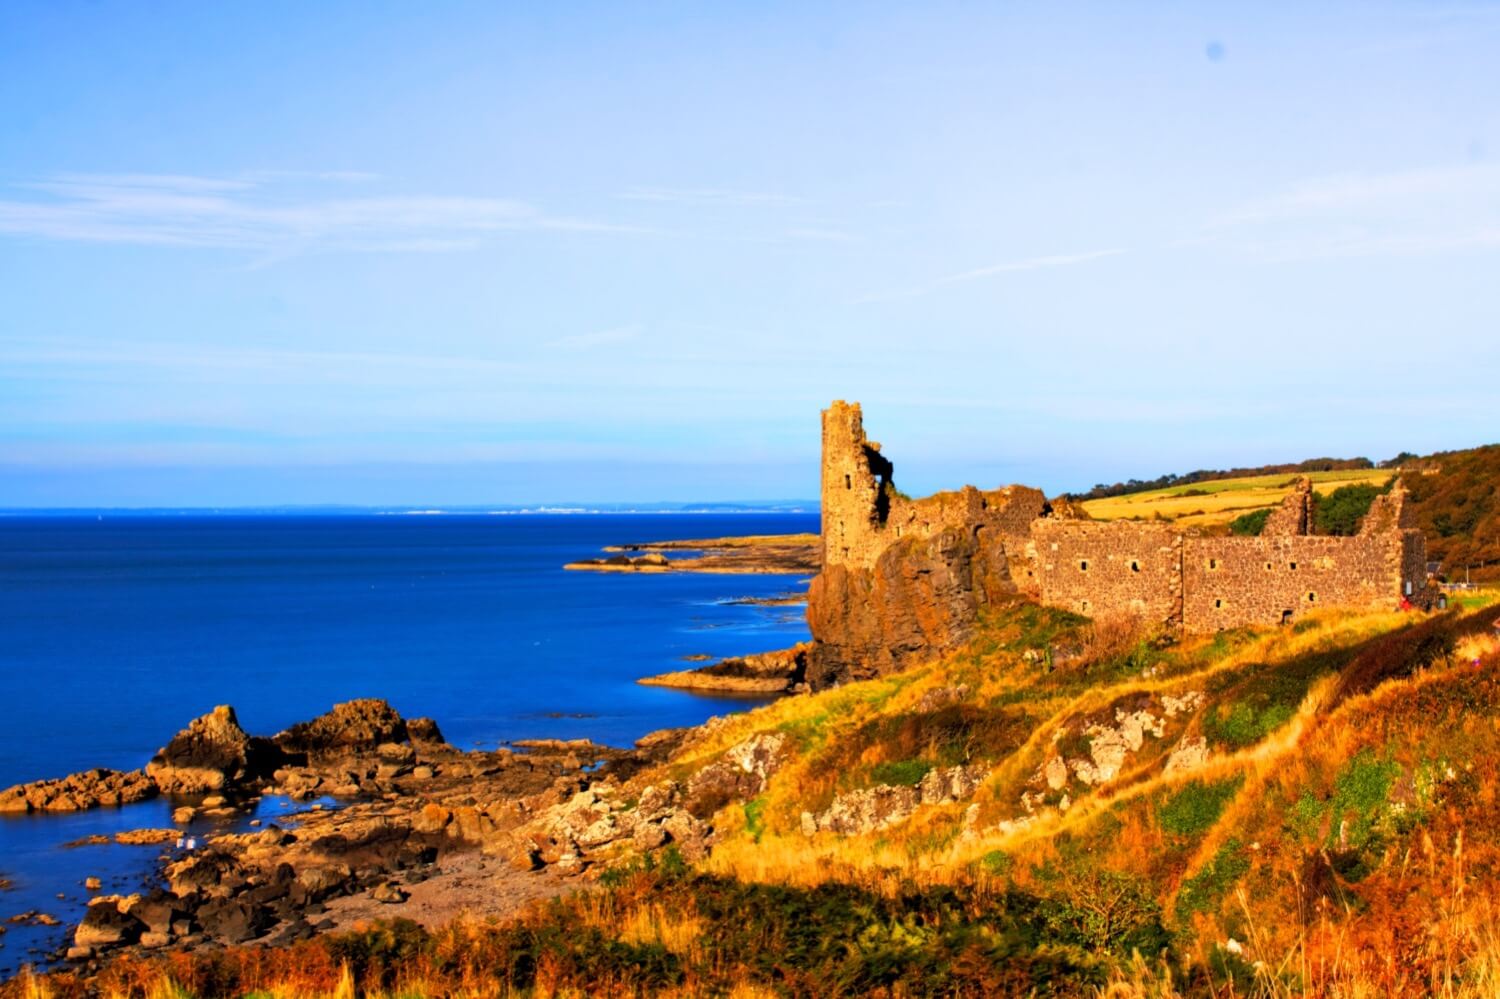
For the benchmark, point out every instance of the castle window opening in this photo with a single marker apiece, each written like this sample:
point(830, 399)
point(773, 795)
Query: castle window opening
point(1213, 563)
point(848, 482)
point(1083, 606)
point(1408, 587)
point(1218, 604)
point(1135, 566)
point(1268, 566)
point(1293, 565)
point(1286, 616)
point(1083, 565)
point(1312, 598)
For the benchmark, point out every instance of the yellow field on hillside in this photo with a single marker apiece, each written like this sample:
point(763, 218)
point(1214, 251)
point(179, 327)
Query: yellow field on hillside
point(1221, 500)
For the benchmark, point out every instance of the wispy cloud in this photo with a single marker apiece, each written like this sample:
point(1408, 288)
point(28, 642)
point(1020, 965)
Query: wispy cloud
point(1408, 213)
point(995, 270)
point(267, 213)
point(710, 196)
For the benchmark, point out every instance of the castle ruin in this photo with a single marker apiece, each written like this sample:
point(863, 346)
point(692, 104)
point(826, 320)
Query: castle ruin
point(902, 577)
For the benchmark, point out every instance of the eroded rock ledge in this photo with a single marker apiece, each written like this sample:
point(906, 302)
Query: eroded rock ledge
point(775, 672)
point(778, 553)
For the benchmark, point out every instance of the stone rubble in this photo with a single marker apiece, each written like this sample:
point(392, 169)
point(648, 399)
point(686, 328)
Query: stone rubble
point(870, 809)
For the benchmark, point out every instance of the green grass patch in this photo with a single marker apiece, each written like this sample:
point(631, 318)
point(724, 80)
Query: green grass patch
point(1244, 724)
point(998, 863)
point(1360, 792)
point(1205, 890)
point(755, 817)
point(907, 773)
point(1196, 806)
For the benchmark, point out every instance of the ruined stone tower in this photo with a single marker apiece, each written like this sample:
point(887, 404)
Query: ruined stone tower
point(903, 577)
point(856, 489)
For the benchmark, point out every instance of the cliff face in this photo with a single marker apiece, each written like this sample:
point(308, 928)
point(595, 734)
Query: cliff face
point(921, 597)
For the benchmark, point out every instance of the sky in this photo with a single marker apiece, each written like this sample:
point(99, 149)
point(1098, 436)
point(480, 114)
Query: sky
point(468, 253)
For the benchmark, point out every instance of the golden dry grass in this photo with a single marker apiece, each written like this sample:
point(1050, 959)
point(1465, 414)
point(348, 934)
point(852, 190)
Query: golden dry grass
point(1222, 500)
point(784, 855)
point(1426, 925)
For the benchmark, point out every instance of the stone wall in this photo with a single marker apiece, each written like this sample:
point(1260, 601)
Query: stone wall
point(1104, 569)
point(1294, 516)
point(1232, 581)
point(904, 579)
point(1388, 512)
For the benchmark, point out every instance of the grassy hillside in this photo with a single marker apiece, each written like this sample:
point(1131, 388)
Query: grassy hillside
point(1206, 504)
point(1458, 506)
point(1300, 811)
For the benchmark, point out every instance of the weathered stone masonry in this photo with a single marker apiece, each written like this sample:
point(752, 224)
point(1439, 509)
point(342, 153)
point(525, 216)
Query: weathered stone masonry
point(900, 577)
point(904, 578)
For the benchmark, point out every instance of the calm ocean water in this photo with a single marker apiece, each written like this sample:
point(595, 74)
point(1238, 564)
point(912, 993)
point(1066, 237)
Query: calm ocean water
point(115, 632)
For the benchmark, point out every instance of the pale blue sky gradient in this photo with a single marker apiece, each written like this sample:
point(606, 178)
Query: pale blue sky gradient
point(449, 253)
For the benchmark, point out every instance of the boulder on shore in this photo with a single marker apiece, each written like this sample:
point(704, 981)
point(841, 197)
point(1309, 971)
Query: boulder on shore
point(105, 925)
point(425, 731)
point(351, 727)
point(212, 754)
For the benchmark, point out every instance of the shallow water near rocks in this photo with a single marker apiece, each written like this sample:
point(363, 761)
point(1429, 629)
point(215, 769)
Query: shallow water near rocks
point(118, 631)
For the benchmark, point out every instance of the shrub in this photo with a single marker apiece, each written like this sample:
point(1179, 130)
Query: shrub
point(1250, 524)
point(1102, 909)
point(1341, 511)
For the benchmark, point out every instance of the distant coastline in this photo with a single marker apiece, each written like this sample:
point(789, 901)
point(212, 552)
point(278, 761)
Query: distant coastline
point(485, 510)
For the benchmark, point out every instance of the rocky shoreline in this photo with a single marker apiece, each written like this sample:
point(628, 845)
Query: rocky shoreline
point(780, 672)
point(415, 819)
point(760, 554)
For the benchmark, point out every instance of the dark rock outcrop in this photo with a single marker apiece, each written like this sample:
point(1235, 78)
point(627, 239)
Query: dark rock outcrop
point(921, 598)
point(424, 732)
point(212, 754)
point(351, 727)
point(105, 925)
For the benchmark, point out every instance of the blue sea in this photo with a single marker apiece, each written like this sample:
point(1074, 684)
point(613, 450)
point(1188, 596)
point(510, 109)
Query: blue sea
point(116, 630)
